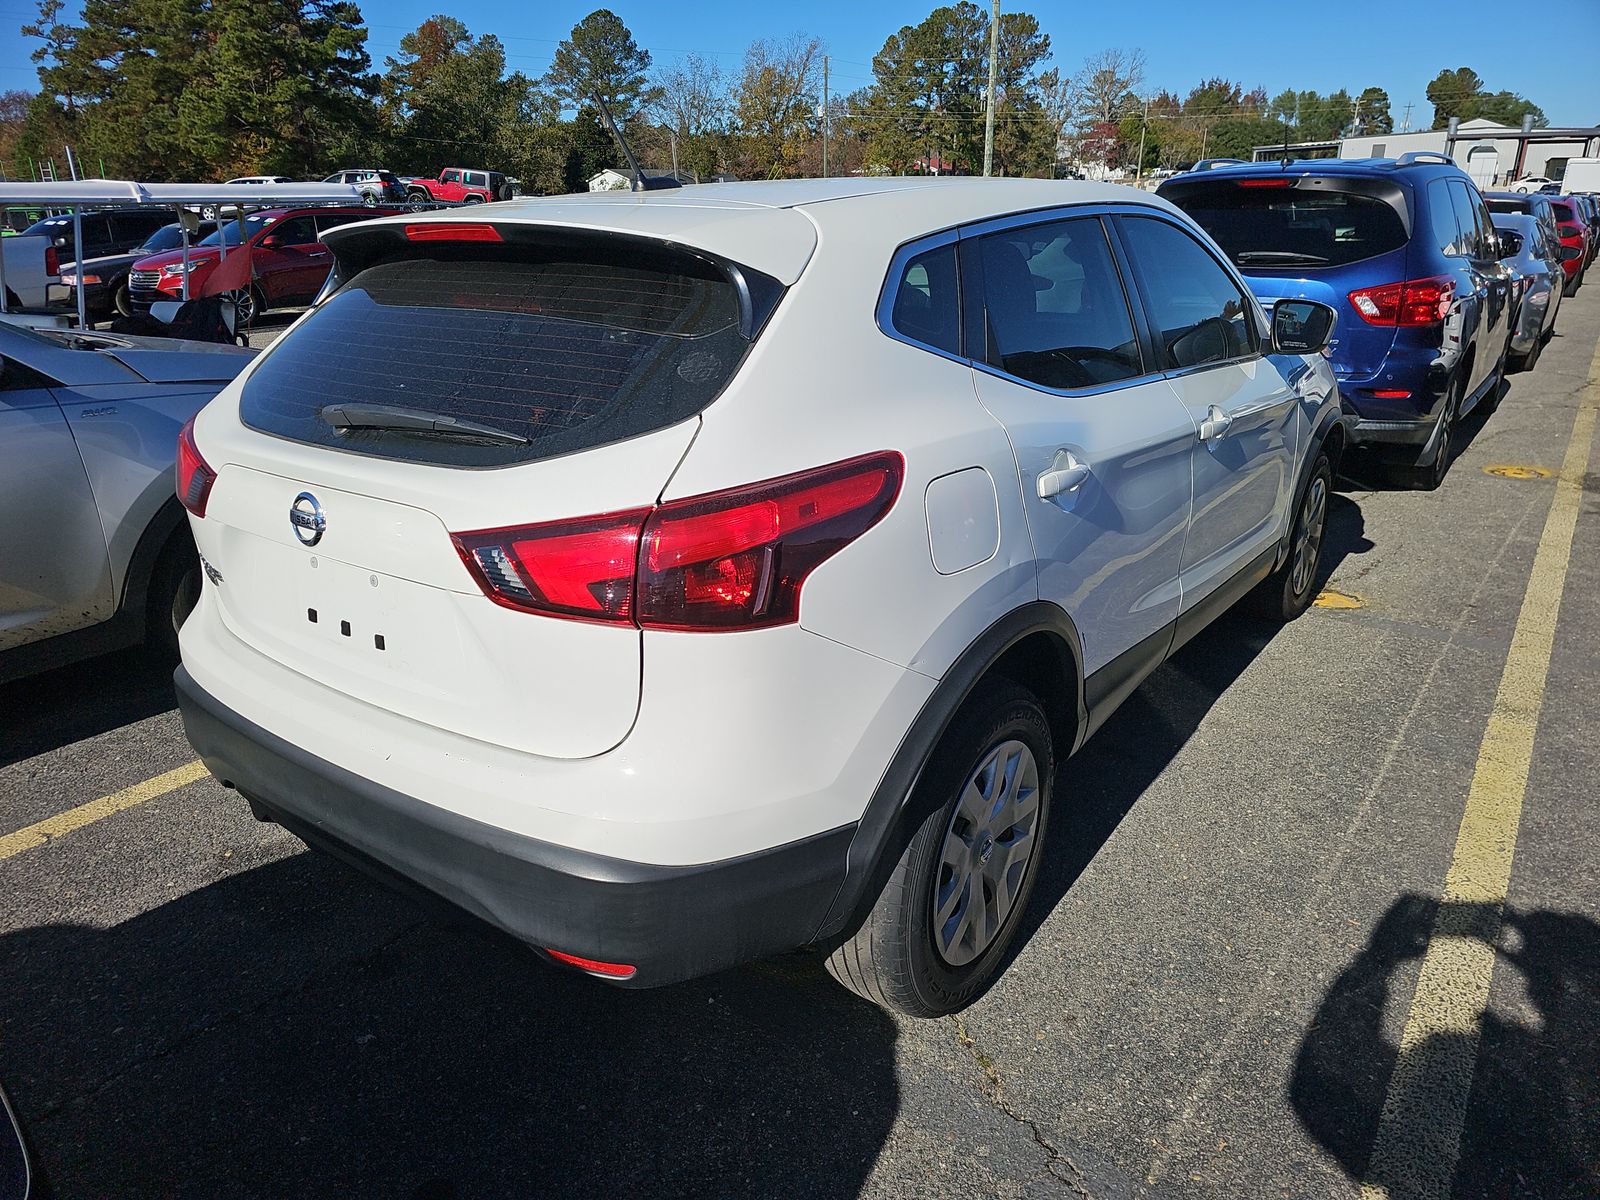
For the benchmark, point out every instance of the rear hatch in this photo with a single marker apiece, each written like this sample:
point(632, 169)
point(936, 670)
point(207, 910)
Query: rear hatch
point(567, 372)
point(1317, 237)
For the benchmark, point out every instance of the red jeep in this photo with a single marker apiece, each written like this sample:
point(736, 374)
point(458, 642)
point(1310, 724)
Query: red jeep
point(461, 185)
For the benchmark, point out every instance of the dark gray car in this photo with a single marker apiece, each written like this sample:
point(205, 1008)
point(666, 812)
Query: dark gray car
point(94, 551)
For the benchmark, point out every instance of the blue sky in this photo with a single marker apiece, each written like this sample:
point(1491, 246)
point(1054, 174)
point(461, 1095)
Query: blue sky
point(1351, 43)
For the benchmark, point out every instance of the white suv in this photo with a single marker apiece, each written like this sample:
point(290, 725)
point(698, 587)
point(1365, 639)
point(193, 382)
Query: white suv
point(677, 578)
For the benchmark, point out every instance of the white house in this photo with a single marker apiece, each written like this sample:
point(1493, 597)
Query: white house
point(610, 180)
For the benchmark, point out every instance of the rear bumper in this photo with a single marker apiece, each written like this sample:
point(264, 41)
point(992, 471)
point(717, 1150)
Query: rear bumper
point(669, 922)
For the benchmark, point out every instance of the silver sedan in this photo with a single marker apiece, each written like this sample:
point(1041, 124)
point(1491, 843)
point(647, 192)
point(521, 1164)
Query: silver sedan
point(94, 551)
point(1536, 262)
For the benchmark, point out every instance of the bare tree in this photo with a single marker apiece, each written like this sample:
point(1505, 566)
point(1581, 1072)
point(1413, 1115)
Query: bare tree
point(1105, 80)
point(692, 101)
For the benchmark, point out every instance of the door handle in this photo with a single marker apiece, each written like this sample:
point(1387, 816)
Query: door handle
point(1215, 425)
point(1066, 474)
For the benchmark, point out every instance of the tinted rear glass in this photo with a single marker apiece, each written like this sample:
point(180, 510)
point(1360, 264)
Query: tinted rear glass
point(1297, 228)
point(568, 348)
point(1501, 205)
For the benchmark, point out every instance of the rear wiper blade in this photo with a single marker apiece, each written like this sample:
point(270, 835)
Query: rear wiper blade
point(1284, 255)
point(414, 420)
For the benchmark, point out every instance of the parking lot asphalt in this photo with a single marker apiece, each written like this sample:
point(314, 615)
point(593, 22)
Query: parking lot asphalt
point(1216, 994)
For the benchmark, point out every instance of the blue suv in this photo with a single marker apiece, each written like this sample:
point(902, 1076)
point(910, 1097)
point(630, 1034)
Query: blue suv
point(1406, 252)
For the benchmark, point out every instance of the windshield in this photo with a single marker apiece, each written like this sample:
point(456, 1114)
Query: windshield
point(1265, 226)
point(168, 237)
point(228, 233)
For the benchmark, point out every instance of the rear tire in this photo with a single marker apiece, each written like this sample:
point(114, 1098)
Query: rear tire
point(1289, 590)
point(1427, 476)
point(942, 925)
point(472, 199)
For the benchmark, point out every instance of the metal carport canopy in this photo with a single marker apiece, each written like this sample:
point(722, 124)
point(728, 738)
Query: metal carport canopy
point(79, 194)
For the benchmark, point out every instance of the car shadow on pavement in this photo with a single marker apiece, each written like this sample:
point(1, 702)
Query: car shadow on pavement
point(1533, 1120)
point(48, 711)
point(299, 1030)
point(1101, 783)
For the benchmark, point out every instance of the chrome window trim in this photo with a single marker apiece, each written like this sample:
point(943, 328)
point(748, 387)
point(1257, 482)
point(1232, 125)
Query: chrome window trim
point(1036, 216)
point(884, 313)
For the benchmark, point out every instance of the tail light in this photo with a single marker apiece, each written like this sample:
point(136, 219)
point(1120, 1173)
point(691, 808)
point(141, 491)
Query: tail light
point(1570, 233)
point(52, 261)
point(195, 477)
point(734, 559)
point(1411, 303)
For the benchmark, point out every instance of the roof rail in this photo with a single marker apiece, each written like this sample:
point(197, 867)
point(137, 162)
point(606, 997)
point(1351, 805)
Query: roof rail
point(1211, 164)
point(1412, 156)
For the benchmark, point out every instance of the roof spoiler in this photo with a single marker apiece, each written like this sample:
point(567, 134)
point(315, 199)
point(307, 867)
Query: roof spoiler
point(1412, 156)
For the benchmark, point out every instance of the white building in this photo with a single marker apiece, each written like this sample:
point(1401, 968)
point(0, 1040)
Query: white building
point(1491, 160)
point(610, 180)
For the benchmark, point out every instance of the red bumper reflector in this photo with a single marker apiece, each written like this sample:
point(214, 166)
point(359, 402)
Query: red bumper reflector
point(1391, 393)
point(609, 970)
point(452, 231)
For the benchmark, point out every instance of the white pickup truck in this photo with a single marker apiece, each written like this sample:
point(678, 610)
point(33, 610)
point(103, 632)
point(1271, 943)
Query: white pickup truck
point(28, 266)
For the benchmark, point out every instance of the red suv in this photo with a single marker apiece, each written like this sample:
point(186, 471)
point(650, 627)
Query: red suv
point(287, 258)
point(1573, 231)
point(461, 185)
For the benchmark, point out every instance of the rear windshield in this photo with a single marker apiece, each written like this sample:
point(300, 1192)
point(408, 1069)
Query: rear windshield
point(568, 348)
point(1296, 228)
point(1499, 204)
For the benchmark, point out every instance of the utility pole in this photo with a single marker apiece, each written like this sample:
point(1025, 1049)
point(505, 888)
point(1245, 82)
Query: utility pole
point(1405, 121)
point(1144, 124)
point(994, 70)
point(672, 131)
point(824, 116)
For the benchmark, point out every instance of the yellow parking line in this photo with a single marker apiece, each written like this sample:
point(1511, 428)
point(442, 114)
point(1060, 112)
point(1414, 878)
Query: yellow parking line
point(1419, 1132)
point(86, 814)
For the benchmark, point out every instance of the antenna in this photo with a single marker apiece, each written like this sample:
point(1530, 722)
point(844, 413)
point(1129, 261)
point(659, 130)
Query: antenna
point(627, 151)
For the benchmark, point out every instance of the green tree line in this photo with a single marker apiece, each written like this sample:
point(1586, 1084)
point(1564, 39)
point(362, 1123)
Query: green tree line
point(189, 89)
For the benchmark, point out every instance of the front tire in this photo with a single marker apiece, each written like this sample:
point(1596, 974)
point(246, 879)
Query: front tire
point(1289, 590)
point(942, 925)
point(121, 300)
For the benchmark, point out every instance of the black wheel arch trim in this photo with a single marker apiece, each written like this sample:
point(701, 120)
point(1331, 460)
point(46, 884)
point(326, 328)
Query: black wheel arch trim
point(170, 520)
point(894, 812)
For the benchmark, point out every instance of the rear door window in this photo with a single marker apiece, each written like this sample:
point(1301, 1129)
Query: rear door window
point(1259, 223)
point(1055, 310)
point(1199, 315)
point(1468, 219)
point(569, 348)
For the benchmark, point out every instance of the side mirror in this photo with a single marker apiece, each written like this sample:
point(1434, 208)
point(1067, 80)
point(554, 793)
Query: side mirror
point(1568, 253)
point(1510, 243)
point(1302, 327)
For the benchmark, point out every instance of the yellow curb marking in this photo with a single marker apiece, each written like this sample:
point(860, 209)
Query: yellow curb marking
point(1419, 1132)
point(86, 814)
